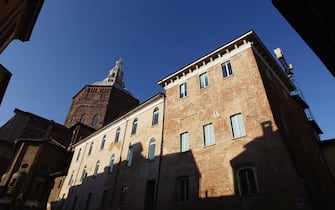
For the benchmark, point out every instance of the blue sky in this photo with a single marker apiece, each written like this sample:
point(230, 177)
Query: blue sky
point(75, 43)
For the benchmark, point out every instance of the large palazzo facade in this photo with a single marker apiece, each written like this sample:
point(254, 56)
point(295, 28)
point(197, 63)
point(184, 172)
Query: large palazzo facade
point(230, 131)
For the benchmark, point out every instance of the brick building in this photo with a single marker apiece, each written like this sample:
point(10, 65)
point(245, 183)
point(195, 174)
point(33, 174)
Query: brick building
point(111, 99)
point(233, 134)
point(35, 152)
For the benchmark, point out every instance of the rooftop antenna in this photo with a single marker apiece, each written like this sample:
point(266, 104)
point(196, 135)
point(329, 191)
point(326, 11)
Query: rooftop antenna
point(297, 94)
point(287, 67)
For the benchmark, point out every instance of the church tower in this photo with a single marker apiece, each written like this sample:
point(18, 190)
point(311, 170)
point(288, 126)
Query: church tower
point(98, 104)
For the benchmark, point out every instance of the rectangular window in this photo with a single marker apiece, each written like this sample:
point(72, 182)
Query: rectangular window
point(130, 156)
point(237, 125)
point(88, 201)
point(149, 195)
point(183, 188)
point(183, 90)
point(246, 181)
point(203, 78)
point(208, 134)
point(184, 143)
point(74, 203)
point(226, 69)
point(103, 198)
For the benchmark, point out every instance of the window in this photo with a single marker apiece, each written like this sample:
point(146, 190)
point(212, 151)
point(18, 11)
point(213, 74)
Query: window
point(183, 90)
point(91, 147)
point(184, 143)
point(95, 120)
point(182, 188)
point(226, 69)
point(237, 125)
point(78, 155)
point(124, 191)
point(149, 195)
point(83, 118)
point(208, 134)
point(88, 201)
point(246, 181)
point(134, 128)
point(111, 163)
point(117, 135)
point(74, 202)
point(84, 174)
point(60, 183)
point(155, 116)
point(130, 155)
point(103, 142)
point(96, 170)
point(203, 78)
point(103, 198)
point(71, 177)
point(152, 146)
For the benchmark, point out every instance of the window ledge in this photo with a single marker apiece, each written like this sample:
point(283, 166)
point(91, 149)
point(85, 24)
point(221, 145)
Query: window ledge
point(228, 76)
point(239, 137)
point(210, 145)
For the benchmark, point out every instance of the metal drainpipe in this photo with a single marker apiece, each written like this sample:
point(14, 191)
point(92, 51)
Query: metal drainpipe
point(118, 167)
point(160, 156)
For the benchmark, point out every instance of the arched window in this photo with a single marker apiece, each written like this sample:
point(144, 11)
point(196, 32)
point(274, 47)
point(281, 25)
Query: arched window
point(117, 135)
point(83, 118)
point(152, 146)
point(130, 155)
point(155, 116)
point(96, 170)
point(111, 163)
point(103, 142)
point(95, 120)
point(71, 177)
point(78, 155)
point(83, 174)
point(91, 147)
point(134, 128)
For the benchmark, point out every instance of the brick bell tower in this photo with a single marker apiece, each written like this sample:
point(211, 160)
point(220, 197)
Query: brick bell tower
point(98, 104)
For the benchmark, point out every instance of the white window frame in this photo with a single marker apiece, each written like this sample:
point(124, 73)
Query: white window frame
point(227, 70)
point(184, 142)
point(208, 131)
point(203, 80)
point(237, 125)
point(183, 90)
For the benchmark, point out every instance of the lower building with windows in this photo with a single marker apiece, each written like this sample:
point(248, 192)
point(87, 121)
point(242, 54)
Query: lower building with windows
point(113, 165)
point(229, 132)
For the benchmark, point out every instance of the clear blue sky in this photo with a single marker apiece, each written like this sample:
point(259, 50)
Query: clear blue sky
point(75, 43)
